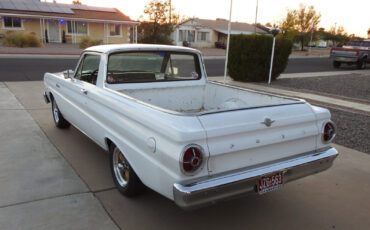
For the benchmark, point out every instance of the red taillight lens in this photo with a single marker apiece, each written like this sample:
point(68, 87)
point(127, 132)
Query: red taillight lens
point(328, 132)
point(192, 159)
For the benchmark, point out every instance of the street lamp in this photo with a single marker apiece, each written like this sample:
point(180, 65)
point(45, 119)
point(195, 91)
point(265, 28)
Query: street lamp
point(274, 32)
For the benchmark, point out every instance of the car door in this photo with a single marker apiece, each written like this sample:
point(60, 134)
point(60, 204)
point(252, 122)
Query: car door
point(76, 93)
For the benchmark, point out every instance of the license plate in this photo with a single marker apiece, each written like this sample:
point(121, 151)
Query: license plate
point(270, 182)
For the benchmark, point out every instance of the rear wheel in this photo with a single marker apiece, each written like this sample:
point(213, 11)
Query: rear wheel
point(362, 64)
point(336, 64)
point(58, 118)
point(125, 178)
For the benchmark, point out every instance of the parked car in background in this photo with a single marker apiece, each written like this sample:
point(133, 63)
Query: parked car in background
point(311, 44)
point(354, 53)
point(193, 141)
point(322, 44)
point(220, 45)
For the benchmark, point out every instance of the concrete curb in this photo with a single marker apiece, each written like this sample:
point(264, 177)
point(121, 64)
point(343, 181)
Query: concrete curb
point(48, 56)
point(323, 74)
point(305, 57)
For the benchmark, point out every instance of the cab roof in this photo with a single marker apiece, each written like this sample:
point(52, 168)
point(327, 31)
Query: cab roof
point(107, 49)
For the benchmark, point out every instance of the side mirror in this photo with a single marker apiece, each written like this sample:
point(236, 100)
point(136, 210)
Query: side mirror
point(68, 73)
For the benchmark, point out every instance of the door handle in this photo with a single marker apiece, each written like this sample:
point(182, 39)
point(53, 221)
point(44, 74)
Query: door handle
point(84, 91)
point(57, 85)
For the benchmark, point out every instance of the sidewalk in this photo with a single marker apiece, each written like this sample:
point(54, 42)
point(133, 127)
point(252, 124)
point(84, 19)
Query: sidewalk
point(308, 96)
point(323, 74)
point(39, 189)
point(48, 49)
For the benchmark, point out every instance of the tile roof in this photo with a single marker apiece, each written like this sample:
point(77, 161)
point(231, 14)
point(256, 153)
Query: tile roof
point(222, 25)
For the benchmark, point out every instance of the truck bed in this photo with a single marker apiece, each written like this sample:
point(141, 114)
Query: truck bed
point(206, 98)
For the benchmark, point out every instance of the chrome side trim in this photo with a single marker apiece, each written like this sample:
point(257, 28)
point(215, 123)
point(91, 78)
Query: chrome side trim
point(206, 191)
point(46, 97)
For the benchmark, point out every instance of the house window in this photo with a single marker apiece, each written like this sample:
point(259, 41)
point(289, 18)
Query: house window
point(77, 27)
point(191, 35)
point(187, 35)
point(115, 30)
point(12, 22)
point(182, 35)
point(203, 36)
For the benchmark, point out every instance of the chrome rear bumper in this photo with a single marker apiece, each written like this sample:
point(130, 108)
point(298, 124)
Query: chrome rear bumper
point(345, 59)
point(212, 189)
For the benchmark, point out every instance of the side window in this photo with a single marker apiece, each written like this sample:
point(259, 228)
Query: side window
point(88, 68)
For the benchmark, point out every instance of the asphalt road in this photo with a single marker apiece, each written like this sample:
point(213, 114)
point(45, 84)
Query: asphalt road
point(26, 69)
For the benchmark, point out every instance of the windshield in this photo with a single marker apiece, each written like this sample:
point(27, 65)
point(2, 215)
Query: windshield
point(152, 66)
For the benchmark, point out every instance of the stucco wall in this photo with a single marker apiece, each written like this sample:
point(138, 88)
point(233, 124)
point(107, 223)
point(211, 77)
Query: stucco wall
point(95, 31)
point(210, 42)
point(28, 26)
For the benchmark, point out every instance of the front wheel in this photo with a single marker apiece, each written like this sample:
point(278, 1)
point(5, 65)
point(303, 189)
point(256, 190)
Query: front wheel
point(336, 64)
point(125, 178)
point(58, 118)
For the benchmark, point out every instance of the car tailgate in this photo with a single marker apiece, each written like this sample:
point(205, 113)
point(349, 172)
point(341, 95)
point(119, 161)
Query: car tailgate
point(246, 138)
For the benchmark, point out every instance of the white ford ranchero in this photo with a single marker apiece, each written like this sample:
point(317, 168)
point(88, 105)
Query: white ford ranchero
point(194, 141)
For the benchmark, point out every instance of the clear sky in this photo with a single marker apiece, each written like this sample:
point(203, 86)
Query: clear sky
point(353, 15)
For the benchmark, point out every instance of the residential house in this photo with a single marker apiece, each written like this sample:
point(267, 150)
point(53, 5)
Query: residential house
point(204, 32)
point(55, 22)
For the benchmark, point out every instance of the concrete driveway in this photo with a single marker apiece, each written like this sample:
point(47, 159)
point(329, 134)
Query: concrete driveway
point(335, 199)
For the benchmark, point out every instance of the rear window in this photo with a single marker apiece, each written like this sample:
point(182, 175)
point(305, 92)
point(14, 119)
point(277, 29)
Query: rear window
point(359, 43)
point(154, 66)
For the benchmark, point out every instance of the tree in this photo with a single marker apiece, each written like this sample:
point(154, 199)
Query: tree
point(302, 20)
point(307, 19)
point(155, 27)
point(176, 18)
point(156, 11)
point(77, 2)
point(289, 22)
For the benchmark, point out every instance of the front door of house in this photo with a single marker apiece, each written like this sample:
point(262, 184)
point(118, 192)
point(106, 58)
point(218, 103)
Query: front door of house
point(54, 31)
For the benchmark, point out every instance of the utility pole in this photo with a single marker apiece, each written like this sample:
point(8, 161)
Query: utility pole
point(255, 21)
point(335, 33)
point(228, 41)
point(312, 30)
point(169, 2)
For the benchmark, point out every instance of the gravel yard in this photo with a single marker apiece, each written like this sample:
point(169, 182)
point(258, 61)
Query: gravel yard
point(353, 130)
point(353, 86)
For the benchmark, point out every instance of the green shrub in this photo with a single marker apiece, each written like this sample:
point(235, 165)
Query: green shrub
point(87, 42)
point(250, 56)
point(21, 40)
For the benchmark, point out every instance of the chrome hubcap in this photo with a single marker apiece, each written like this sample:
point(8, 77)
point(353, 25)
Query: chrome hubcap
point(55, 113)
point(121, 167)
